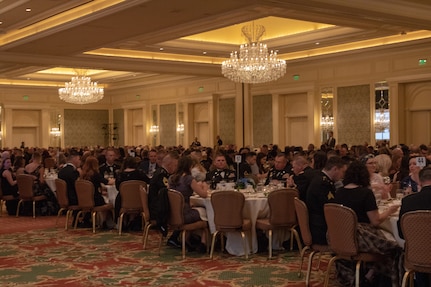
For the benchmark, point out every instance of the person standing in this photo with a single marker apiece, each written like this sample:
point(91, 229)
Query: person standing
point(330, 142)
point(219, 141)
point(70, 174)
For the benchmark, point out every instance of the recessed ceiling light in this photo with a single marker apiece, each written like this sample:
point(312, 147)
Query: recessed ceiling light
point(28, 10)
point(317, 43)
point(161, 49)
point(1, 22)
point(204, 52)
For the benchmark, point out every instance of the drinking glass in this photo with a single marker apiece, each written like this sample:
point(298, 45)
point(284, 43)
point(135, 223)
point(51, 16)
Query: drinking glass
point(400, 194)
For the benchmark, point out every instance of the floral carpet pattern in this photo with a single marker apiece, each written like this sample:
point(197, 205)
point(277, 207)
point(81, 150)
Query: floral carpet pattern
point(75, 258)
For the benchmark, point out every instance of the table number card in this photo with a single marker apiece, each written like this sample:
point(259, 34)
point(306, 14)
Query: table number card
point(421, 161)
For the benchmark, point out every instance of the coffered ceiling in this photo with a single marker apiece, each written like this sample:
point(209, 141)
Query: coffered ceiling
point(120, 42)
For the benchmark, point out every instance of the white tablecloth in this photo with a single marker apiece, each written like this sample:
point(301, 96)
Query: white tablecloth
point(112, 194)
point(256, 206)
point(50, 181)
point(390, 225)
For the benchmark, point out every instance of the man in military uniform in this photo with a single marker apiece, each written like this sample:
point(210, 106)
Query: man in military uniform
point(321, 191)
point(280, 171)
point(109, 168)
point(221, 171)
point(301, 176)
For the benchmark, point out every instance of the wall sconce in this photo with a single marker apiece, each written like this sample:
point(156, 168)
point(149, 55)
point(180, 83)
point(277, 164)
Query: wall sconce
point(154, 129)
point(55, 132)
point(180, 128)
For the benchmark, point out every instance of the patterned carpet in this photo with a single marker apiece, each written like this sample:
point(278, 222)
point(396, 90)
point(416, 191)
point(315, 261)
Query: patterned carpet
point(50, 256)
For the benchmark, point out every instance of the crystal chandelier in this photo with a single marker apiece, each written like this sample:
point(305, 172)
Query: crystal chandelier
point(81, 90)
point(253, 64)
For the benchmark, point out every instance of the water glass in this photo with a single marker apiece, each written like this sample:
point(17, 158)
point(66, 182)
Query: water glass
point(400, 194)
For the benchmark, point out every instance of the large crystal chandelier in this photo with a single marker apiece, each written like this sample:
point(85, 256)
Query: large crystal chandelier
point(253, 65)
point(81, 90)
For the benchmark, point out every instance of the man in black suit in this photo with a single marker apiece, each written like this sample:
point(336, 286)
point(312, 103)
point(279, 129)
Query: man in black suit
point(149, 166)
point(418, 201)
point(302, 174)
point(70, 174)
point(330, 142)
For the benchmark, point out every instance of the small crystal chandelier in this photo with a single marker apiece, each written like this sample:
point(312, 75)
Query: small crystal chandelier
point(253, 65)
point(81, 90)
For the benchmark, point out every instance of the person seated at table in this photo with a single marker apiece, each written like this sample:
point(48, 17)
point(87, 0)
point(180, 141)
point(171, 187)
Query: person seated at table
point(378, 186)
point(220, 171)
point(357, 195)
point(320, 191)
point(19, 165)
point(37, 170)
point(302, 175)
point(411, 183)
point(183, 181)
point(149, 165)
point(90, 171)
point(245, 167)
point(280, 171)
point(128, 171)
point(9, 186)
point(198, 170)
point(109, 168)
point(418, 201)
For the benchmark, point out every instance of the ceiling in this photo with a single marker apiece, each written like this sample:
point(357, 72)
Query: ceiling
point(121, 43)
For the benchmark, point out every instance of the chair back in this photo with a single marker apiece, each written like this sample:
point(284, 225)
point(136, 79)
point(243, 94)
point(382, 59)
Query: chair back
point(61, 191)
point(130, 195)
point(416, 227)
point(342, 228)
point(25, 186)
point(282, 207)
point(85, 193)
point(176, 205)
point(227, 206)
point(303, 221)
point(144, 202)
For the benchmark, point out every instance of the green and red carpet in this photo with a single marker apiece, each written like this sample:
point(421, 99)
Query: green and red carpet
point(36, 253)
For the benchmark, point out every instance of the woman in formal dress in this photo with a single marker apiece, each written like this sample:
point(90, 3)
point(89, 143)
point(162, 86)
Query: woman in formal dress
point(19, 165)
point(129, 171)
point(378, 186)
point(183, 181)
point(37, 170)
point(357, 195)
point(90, 171)
point(411, 182)
point(9, 186)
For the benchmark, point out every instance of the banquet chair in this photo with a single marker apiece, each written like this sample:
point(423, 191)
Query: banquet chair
point(130, 200)
point(416, 227)
point(25, 188)
point(147, 223)
point(63, 201)
point(3, 199)
point(304, 226)
point(85, 193)
point(176, 219)
point(342, 238)
point(228, 217)
point(281, 216)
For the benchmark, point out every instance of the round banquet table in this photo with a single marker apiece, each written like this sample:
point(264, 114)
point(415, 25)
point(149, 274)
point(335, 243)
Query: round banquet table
point(255, 206)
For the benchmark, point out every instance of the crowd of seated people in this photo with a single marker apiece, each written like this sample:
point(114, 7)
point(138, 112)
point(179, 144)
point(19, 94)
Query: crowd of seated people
point(316, 173)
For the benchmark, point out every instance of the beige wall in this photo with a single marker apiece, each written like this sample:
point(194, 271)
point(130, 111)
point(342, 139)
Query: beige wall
point(204, 103)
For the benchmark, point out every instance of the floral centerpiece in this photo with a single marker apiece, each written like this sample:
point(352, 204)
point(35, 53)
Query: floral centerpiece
point(244, 183)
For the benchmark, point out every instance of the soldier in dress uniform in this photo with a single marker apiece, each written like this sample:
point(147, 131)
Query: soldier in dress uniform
point(221, 172)
point(280, 171)
point(109, 168)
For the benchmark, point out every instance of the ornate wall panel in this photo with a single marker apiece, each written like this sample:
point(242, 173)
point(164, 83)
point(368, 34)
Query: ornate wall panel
point(118, 115)
point(353, 120)
point(168, 125)
point(227, 120)
point(84, 127)
point(262, 120)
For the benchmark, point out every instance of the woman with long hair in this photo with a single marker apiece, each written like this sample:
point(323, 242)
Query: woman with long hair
point(183, 181)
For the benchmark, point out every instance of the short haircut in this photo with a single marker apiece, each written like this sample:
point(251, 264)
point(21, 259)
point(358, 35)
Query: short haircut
point(334, 161)
point(425, 174)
